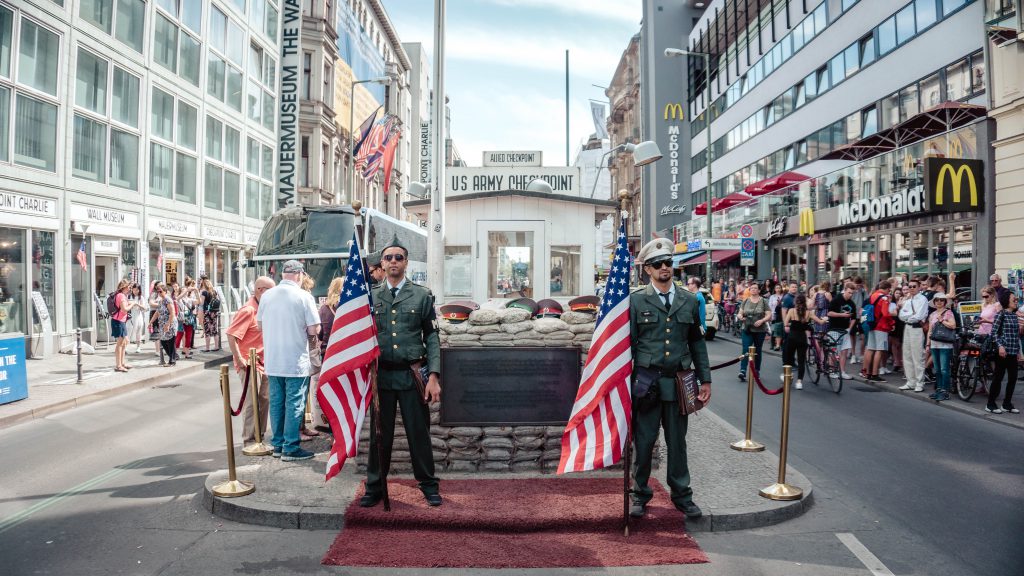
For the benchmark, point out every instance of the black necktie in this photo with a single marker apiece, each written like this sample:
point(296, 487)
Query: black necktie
point(665, 298)
point(394, 292)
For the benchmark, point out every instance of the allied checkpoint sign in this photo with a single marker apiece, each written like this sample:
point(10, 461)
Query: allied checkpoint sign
point(509, 386)
point(13, 380)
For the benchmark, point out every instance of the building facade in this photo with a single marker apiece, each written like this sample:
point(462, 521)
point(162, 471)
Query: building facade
point(624, 127)
point(138, 141)
point(1005, 21)
point(834, 110)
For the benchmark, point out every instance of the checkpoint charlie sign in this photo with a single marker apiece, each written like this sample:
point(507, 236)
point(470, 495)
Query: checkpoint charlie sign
point(564, 180)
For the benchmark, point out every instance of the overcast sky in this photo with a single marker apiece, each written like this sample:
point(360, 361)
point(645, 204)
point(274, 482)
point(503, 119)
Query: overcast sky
point(506, 67)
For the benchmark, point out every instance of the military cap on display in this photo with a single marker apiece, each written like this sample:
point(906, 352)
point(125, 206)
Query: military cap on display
point(549, 309)
point(585, 304)
point(467, 303)
point(656, 250)
point(455, 313)
point(523, 304)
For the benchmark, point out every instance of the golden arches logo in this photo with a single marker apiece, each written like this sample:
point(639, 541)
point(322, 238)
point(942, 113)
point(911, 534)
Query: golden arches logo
point(956, 176)
point(806, 222)
point(673, 111)
point(956, 148)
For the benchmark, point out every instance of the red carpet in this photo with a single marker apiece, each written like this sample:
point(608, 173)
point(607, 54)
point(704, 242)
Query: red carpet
point(514, 523)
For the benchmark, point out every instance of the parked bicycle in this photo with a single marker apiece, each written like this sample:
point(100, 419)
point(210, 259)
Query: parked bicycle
point(824, 359)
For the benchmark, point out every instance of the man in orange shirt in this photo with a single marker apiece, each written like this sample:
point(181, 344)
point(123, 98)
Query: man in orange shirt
point(244, 333)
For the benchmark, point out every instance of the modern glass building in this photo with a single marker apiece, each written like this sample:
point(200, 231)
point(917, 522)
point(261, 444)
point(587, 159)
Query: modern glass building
point(137, 140)
point(826, 111)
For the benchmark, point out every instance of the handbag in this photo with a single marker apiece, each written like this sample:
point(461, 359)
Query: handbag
point(686, 391)
point(941, 333)
point(989, 346)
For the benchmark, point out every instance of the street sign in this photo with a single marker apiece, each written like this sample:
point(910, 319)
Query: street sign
point(748, 247)
point(746, 231)
point(720, 244)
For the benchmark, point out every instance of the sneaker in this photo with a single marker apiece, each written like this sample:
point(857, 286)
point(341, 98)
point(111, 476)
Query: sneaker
point(883, 371)
point(846, 376)
point(276, 453)
point(799, 385)
point(994, 409)
point(933, 396)
point(875, 378)
point(299, 454)
point(1009, 408)
point(742, 376)
point(907, 386)
point(919, 389)
point(941, 396)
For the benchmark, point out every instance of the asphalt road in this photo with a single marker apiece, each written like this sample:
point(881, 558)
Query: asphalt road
point(110, 489)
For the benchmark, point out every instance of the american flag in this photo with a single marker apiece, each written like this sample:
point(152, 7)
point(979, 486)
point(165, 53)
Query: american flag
point(374, 140)
point(83, 259)
point(377, 158)
point(344, 389)
point(595, 436)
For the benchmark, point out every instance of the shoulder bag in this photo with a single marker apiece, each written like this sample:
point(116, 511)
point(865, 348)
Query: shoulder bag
point(941, 333)
point(989, 346)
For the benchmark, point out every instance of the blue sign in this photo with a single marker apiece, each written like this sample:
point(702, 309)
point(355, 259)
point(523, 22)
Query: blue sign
point(13, 380)
point(747, 249)
point(693, 246)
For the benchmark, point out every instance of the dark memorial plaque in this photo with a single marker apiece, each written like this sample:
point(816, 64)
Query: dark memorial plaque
point(513, 386)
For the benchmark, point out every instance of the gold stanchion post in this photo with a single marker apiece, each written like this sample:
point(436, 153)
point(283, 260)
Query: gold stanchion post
point(748, 445)
point(259, 448)
point(780, 490)
point(233, 487)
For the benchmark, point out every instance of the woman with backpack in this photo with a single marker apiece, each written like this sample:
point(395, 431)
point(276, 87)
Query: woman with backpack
point(187, 308)
point(209, 304)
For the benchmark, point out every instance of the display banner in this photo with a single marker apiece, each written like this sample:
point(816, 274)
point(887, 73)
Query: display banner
point(290, 74)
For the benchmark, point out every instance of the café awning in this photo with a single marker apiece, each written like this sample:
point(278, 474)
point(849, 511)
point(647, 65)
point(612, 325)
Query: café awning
point(717, 256)
point(934, 121)
point(778, 182)
point(719, 204)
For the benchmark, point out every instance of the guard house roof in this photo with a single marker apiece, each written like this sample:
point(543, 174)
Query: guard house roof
point(602, 207)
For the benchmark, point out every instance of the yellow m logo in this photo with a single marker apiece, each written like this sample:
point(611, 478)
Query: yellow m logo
point(807, 222)
point(955, 178)
point(673, 111)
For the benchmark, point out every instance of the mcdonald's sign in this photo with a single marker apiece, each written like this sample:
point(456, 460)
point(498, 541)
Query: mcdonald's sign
point(673, 111)
point(955, 185)
point(806, 222)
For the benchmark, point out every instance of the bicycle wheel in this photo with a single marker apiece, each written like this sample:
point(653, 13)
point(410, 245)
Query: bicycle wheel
point(966, 377)
point(814, 368)
point(835, 374)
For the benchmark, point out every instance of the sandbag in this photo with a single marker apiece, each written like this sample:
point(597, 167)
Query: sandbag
point(513, 315)
point(582, 328)
point(571, 317)
point(516, 327)
point(484, 317)
point(549, 325)
point(484, 329)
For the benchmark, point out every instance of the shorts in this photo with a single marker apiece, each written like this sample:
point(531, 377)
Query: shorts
point(118, 329)
point(878, 340)
point(842, 338)
point(777, 331)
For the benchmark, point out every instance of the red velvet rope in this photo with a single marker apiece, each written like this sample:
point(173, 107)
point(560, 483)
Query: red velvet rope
point(727, 363)
point(757, 380)
point(245, 389)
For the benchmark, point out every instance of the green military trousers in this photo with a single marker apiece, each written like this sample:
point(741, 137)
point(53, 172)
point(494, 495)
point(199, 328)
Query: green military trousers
point(649, 415)
point(416, 417)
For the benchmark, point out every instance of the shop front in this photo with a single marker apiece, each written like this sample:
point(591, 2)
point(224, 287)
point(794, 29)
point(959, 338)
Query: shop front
point(172, 249)
point(28, 279)
point(224, 249)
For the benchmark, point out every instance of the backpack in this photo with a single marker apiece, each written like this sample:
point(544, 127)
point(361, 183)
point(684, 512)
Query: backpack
point(213, 306)
point(112, 307)
point(868, 321)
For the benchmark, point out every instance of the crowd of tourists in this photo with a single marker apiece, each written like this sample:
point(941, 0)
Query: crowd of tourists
point(905, 326)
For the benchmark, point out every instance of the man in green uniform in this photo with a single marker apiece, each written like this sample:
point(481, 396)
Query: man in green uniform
point(407, 335)
point(666, 337)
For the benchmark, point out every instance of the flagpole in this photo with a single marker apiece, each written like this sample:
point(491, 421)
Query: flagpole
point(435, 233)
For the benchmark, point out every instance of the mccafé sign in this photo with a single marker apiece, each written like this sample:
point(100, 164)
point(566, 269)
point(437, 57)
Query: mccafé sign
point(955, 185)
point(882, 207)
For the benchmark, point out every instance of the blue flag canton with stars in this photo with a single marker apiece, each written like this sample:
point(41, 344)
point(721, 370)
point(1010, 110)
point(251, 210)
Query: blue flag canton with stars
point(355, 279)
point(617, 288)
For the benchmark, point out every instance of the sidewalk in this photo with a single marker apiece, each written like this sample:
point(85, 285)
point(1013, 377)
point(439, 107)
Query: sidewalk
point(52, 384)
point(725, 485)
point(976, 407)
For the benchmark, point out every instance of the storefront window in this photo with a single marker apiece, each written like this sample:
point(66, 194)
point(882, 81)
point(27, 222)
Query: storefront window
point(510, 266)
point(12, 280)
point(458, 271)
point(81, 298)
point(911, 253)
point(884, 256)
point(44, 277)
point(963, 261)
point(940, 252)
point(190, 261)
point(565, 270)
point(154, 254)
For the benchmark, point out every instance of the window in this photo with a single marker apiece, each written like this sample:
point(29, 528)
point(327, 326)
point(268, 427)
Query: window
point(837, 69)
point(89, 147)
point(232, 142)
point(5, 122)
point(212, 187)
point(977, 73)
point(98, 12)
point(215, 77)
point(870, 121)
point(822, 77)
point(926, 13)
point(124, 159)
point(931, 94)
point(185, 178)
point(163, 115)
point(173, 172)
point(254, 103)
point(853, 127)
point(867, 50)
point(191, 14)
point(35, 134)
point(214, 137)
point(234, 88)
point(811, 86)
point(175, 49)
point(131, 23)
point(852, 56)
point(187, 120)
point(236, 43)
point(304, 164)
point(905, 29)
point(252, 198)
point(165, 44)
point(37, 59)
point(189, 59)
point(307, 73)
point(950, 6)
point(271, 24)
point(161, 171)
point(908, 102)
point(6, 40)
point(957, 81)
point(218, 28)
point(91, 82)
point(565, 271)
point(891, 110)
point(887, 36)
point(231, 190)
point(124, 99)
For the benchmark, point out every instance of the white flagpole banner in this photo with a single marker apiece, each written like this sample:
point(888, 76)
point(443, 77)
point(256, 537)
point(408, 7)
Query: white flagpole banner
point(597, 110)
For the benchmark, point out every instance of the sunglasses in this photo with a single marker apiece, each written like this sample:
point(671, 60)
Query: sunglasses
point(395, 257)
point(661, 264)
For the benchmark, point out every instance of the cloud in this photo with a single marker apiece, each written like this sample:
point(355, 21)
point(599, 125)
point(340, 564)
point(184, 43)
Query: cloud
point(619, 10)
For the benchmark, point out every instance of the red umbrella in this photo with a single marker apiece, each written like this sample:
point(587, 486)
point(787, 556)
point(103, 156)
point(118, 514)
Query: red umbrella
point(774, 183)
point(719, 204)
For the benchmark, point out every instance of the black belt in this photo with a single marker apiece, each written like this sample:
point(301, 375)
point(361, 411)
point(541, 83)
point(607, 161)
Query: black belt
point(664, 373)
point(397, 365)
point(916, 324)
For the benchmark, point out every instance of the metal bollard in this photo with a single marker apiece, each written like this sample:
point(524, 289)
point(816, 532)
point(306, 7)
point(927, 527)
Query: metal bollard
point(78, 354)
point(259, 448)
point(233, 487)
point(780, 490)
point(748, 445)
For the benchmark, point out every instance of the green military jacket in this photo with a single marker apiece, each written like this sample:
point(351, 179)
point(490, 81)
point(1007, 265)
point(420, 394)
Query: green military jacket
point(667, 340)
point(406, 332)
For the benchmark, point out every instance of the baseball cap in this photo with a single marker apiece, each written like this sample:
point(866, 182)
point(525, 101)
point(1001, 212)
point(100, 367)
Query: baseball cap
point(292, 267)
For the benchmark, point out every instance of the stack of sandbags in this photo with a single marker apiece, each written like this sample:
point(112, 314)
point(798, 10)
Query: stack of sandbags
point(464, 449)
point(553, 331)
point(581, 324)
point(529, 448)
point(498, 446)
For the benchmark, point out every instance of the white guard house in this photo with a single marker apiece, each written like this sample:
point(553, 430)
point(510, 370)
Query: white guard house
point(506, 239)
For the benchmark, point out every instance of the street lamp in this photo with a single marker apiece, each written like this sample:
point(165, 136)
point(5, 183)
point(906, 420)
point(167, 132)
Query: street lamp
point(643, 154)
point(670, 52)
point(352, 130)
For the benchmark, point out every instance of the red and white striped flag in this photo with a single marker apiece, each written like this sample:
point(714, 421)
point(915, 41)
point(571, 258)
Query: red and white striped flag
point(374, 140)
point(83, 259)
point(344, 386)
point(596, 434)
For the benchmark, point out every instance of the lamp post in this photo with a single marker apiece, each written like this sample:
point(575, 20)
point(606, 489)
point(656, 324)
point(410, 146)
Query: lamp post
point(643, 154)
point(670, 52)
point(352, 131)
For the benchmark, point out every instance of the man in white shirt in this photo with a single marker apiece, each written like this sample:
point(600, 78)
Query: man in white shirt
point(913, 312)
point(288, 317)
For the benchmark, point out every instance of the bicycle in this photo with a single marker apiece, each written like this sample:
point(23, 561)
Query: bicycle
point(828, 362)
point(970, 369)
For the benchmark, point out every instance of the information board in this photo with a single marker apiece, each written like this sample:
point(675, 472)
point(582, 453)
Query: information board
point(13, 381)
